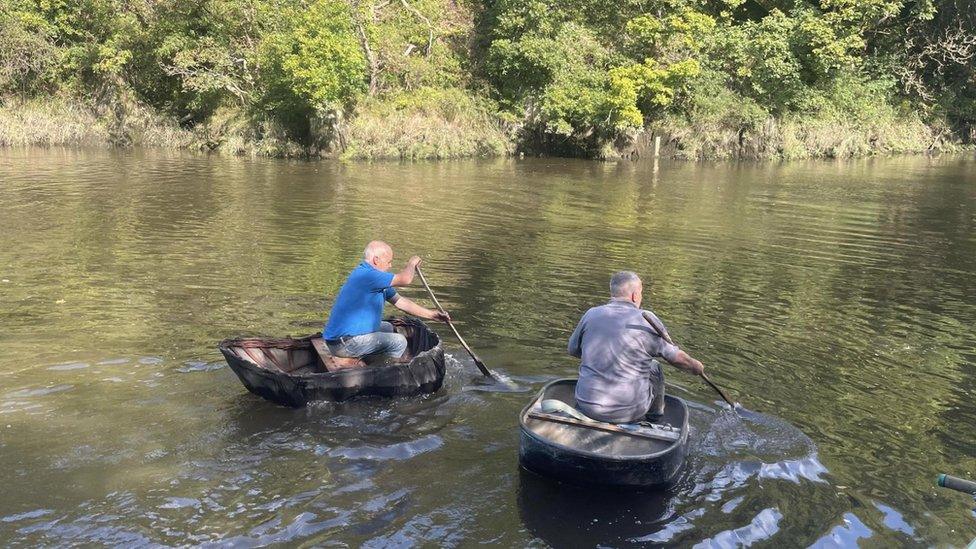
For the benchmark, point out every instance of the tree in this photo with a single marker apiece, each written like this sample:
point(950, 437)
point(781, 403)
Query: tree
point(314, 69)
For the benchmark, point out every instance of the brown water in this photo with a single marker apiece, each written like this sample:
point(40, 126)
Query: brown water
point(838, 298)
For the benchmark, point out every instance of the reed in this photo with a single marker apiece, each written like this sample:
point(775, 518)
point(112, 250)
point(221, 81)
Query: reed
point(798, 137)
point(67, 121)
point(426, 124)
point(453, 123)
point(51, 121)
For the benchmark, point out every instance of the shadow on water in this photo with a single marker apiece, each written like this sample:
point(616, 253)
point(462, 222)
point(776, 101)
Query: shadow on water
point(373, 420)
point(564, 515)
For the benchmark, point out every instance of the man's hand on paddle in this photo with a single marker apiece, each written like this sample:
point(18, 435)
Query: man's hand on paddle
point(684, 361)
point(420, 311)
point(405, 276)
point(443, 317)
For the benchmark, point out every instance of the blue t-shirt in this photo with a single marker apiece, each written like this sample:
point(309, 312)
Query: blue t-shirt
point(358, 309)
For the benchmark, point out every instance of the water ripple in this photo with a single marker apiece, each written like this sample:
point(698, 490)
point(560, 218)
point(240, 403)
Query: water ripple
point(835, 298)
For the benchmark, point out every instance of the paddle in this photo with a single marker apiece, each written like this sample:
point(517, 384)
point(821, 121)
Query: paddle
point(663, 335)
point(477, 361)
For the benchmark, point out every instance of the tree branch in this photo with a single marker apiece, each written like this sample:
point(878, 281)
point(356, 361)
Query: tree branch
point(430, 27)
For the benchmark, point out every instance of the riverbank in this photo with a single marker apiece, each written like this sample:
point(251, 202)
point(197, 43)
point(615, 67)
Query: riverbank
point(451, 125)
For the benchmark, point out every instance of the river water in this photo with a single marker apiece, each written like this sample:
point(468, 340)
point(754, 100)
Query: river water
point(836, 298)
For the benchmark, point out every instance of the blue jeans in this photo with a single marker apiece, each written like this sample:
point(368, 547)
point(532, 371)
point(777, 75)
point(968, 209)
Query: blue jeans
point(374, 345)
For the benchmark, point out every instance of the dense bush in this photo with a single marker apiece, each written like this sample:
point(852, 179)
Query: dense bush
point(558, 76)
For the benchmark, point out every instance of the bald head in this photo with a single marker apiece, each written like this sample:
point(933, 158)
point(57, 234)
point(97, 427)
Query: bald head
point(377, 248)
point(379, 254)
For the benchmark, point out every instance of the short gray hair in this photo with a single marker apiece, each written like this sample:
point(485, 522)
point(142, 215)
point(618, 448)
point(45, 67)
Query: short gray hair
point(623, 283)
point(375, 248)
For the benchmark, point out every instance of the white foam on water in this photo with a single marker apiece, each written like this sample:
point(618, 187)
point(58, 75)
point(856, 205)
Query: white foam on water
point(68, 366)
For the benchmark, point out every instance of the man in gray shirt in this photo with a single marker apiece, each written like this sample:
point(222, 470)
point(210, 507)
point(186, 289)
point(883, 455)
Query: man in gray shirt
point(619, 380)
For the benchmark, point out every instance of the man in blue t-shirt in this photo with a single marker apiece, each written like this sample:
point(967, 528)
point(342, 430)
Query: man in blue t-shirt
point(355, 329)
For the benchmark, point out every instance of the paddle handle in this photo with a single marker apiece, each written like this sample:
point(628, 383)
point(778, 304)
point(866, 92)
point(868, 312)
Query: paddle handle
point(477, 361)
point(958, 484)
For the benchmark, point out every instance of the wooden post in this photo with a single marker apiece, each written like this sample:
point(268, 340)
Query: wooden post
point(657, 151)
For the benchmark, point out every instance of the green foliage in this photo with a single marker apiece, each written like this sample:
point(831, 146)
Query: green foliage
point(572, 99)
point(570, 82)
point(528, 52)
point(27, 51)
point(682, 35)
point(319, 60)
point(567, 75)
point(312, 69)
point(91, 35)
point(711, 104)
point(413, 46)
point(647, 85)
point(199, 55)
point(782, 56)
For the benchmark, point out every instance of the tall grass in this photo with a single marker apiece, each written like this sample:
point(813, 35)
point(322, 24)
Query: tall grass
point(72, 122)
point(796, 137)
point(231, 131)
point(50, 121)
point(452, 123)
point(426, 123)
point(852, 118)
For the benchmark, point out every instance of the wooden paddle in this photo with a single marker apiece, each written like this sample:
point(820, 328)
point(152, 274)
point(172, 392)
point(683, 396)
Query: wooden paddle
point(477, 361)
point(664, 335)
point(652, 433)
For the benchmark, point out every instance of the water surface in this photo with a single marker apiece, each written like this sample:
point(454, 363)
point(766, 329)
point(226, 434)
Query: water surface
point(838, 298)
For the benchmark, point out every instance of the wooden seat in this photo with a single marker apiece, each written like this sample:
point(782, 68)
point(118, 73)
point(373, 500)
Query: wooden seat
point(334, 363)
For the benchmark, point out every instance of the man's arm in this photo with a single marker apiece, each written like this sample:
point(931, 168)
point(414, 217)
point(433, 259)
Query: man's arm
point(405, 276)
point(414, 309)
point(679, 358)
point(687, 363)
point(575, 347)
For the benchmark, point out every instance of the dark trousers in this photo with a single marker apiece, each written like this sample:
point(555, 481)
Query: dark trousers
point(655, 395)
point(657, 390)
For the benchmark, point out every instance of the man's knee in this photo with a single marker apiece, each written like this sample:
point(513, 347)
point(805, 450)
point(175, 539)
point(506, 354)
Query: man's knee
point(398, 345)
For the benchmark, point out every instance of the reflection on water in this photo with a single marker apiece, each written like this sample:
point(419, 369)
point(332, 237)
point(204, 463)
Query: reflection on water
point(572, 516)
point(836, 299)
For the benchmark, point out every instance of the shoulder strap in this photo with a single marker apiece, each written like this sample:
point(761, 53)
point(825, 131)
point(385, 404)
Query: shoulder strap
point(659, 329)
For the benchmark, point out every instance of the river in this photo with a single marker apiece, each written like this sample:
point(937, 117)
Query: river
point(836, 298)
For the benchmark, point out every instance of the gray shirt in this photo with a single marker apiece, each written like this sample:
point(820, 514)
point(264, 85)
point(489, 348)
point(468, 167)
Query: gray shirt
point(617, 348)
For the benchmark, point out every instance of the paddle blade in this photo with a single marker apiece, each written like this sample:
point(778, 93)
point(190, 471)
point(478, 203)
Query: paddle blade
point(481, 366)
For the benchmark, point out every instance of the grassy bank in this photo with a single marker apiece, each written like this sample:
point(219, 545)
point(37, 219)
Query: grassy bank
point(50, 122)
point(436, 125)
point(428, 123)
point(788, 138)
point(449, 124)
point(72, 122)
point(851, 118)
